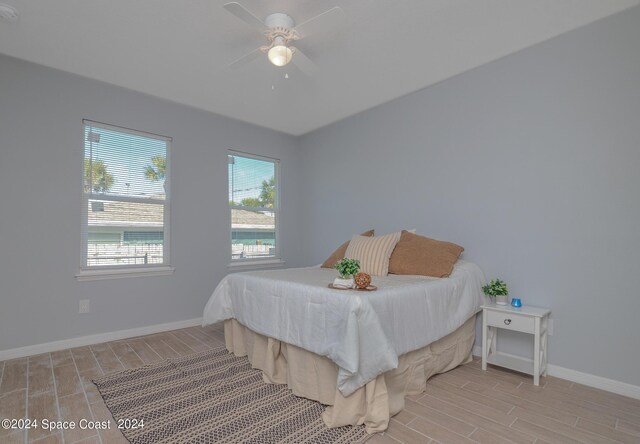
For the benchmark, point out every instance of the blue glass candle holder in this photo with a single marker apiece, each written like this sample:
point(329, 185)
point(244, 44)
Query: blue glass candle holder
point(516, 302)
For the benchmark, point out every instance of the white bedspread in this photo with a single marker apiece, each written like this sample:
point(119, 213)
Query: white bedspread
point(362, 332)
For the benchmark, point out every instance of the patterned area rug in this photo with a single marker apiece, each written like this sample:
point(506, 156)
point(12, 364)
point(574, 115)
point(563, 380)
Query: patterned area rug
point(214, 397)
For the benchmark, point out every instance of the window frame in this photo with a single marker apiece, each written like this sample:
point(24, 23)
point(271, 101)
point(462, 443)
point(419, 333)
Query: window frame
point(265, 262)
point(89, 273)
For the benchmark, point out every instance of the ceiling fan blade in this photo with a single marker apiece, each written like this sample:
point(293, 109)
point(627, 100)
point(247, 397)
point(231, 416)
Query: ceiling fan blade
point(303, 63)
point(245, 15)
point(247, 58)
point(326, 20)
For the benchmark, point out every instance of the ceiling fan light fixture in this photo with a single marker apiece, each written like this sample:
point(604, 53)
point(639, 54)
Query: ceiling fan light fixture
point(280, 55)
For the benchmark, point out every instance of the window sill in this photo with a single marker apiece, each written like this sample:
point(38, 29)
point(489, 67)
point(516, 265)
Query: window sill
point(256, 264)
point(96, 275)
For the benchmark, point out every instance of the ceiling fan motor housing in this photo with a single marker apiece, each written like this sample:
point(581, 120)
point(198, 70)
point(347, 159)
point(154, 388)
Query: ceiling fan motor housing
point(281, 30)
point(279, 20)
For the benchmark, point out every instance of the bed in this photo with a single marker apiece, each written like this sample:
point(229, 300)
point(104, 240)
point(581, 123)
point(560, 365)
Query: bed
point(358, 352)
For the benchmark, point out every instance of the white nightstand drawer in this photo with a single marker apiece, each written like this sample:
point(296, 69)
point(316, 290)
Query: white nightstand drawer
point(510, 321)
point(532, 320)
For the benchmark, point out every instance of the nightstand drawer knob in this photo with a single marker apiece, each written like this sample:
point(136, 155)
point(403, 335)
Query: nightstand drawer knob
point(507, 321)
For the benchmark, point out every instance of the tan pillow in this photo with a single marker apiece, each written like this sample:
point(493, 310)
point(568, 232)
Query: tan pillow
point(338, 255)
point(373, 252)
point(420, 255)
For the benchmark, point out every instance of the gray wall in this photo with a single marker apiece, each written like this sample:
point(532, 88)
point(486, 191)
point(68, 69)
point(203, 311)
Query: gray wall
point(532, 163)
point(41, 150)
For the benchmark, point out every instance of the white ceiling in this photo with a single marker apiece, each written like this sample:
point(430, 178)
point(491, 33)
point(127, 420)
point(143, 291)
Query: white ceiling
point(178, 50)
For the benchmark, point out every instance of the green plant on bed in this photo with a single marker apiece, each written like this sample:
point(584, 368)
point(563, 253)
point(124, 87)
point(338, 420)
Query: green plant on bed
point(496, 288)
point(347, 267)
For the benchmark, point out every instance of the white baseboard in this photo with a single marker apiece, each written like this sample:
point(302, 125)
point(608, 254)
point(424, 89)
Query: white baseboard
point(81, 341)
point(610, 385)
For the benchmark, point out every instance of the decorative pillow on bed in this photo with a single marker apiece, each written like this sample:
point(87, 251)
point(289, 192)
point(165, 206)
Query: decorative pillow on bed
point(420, 255)
point(338, 255)
point(373, 252)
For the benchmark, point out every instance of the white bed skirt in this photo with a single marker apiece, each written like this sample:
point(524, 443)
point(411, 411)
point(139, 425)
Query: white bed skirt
point(313, 376)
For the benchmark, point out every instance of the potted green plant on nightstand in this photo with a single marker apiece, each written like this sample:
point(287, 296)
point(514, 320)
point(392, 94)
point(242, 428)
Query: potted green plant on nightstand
point(347, 268)
point(498, 289)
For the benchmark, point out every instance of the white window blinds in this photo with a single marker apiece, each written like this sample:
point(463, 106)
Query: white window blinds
point(254, 205)
point(125, 189)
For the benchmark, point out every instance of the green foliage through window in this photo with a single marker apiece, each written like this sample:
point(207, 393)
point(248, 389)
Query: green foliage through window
point(96, 176)
point(158, 170)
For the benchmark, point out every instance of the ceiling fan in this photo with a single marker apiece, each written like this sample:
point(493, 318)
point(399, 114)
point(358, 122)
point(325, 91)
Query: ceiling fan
point(281, 31)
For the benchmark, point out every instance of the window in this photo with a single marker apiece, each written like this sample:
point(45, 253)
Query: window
point(125, 206)
point(254, 204)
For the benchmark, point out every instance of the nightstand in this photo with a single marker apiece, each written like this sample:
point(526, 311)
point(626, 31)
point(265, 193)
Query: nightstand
point(532, 320)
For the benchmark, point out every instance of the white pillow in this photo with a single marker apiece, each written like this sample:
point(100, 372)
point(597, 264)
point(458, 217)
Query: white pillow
point(373, 252)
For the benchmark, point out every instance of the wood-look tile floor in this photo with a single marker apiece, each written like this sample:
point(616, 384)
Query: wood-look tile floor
point(462, 406)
